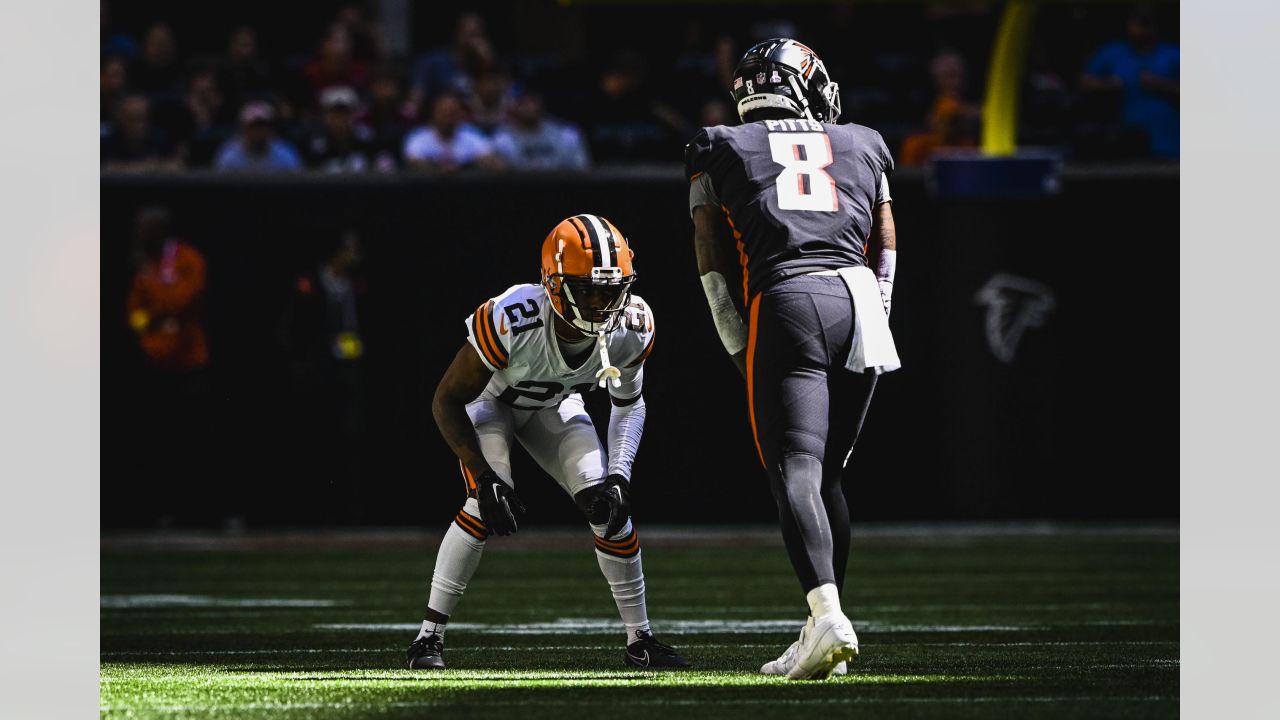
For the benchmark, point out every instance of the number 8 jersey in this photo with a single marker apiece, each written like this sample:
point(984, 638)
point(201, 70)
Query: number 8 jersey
point(798, 194)
point(514, 333)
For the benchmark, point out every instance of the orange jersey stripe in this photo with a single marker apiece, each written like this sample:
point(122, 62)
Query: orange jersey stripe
point(645, 354)
point(696, 175)
point(492, 327)
point(477, 329)
point(742, 252)
point(487, 318)
point(752, 332)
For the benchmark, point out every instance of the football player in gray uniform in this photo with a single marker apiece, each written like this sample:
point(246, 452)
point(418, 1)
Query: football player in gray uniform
point(798, 209)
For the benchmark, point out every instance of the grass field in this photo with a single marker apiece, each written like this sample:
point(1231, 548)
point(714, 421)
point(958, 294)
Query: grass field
point(954, 623)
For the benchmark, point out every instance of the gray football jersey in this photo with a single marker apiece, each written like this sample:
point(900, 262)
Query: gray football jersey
point(798, 194)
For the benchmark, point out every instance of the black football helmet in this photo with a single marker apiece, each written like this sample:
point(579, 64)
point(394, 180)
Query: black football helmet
point(786, 78)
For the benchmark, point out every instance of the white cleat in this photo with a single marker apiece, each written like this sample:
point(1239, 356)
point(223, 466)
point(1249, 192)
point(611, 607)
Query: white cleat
point(784, 663)
point(787, 660)
point(824, 643)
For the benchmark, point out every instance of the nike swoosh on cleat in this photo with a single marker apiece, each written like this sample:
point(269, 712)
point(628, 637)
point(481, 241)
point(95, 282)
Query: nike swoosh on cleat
point(643, 660)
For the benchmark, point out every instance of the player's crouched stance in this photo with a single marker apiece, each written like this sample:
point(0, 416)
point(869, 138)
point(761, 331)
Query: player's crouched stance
point(533, 351)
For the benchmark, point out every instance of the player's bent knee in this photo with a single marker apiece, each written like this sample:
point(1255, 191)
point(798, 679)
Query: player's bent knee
point(596, 513)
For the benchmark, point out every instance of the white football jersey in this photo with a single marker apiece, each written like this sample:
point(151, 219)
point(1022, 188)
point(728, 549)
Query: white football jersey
point(515, 337)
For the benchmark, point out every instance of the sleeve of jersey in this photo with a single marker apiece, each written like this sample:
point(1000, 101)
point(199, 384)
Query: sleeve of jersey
point(482, 333)
point(626, 425)
point(697, 155)
point(632, 380)
point(886, 158)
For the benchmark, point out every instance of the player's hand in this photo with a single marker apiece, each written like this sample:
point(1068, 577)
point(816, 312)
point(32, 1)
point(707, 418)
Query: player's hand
point(614, 499)
point(499, 504)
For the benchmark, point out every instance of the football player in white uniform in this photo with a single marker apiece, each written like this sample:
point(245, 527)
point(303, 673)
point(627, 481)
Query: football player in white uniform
point(530, 354)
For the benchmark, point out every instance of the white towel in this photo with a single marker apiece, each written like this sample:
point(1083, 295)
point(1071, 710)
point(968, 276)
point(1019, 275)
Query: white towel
point(873, 347)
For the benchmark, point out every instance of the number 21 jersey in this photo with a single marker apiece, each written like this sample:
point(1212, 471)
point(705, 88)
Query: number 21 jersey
point(798, 194)
point(514, 334)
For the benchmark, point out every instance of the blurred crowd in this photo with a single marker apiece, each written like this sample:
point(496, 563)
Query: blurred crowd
point(351, 105)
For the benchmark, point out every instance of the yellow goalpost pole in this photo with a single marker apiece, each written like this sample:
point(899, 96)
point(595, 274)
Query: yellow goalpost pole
point(1000, 106)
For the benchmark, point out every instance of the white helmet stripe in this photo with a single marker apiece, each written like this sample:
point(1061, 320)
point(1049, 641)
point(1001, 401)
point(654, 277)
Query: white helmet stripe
point(606, 259)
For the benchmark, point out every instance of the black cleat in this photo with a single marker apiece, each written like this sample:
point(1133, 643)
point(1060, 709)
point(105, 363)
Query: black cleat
point(650, 654)
point(427, 653)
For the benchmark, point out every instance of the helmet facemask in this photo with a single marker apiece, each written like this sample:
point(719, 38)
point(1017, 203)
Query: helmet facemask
point(591, 304)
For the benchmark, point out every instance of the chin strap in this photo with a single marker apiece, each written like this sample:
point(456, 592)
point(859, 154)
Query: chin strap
point(608, 373)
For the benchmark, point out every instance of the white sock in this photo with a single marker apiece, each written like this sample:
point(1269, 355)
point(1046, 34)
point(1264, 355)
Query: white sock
point(431, 628)
point(626, 580)
point(456, 561)
point(823, 600)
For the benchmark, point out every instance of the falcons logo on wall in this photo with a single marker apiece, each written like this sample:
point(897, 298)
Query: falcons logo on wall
point(1014, 305)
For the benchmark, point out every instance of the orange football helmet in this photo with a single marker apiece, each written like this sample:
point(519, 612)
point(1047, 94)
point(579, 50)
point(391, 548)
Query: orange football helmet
point(587, 272)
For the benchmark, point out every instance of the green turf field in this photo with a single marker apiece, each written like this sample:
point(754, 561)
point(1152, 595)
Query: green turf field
point(956, 624)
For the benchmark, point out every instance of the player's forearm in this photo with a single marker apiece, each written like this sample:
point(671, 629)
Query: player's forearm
point(729, 325)
point(884, 251)
point(451, 417)
point(626, 425)
point(715, 266)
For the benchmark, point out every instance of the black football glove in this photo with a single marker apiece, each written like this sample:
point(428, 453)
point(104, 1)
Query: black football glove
point(498, 504)
point(613, 501)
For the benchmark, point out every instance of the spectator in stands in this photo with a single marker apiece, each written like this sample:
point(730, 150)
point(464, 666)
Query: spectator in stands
point(209, 122)
point(448, 144)
point(953, 119)
point(340, 144)
point(336, 63)
point(449, 70)
point(1145, 71)
point(388, 113)
point(256, 148)
point(367, 42)
point(630, 124)
point(490, 100)
point(532, 141)
point(132, 143)
point(113, 84)
point(113, 42)
point(245, 75)
point(157, 73)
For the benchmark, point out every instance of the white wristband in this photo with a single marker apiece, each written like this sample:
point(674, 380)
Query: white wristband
point(733, 333)
point(885, 267)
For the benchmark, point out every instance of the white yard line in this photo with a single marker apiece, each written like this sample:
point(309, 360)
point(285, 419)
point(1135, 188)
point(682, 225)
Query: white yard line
point(574, 626)
point(119, 602)
point(942, 532)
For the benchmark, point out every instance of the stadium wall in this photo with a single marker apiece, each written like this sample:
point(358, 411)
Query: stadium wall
point(1036, 336)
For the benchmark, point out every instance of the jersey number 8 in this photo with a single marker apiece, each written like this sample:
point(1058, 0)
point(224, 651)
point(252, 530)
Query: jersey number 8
point(803, 184)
